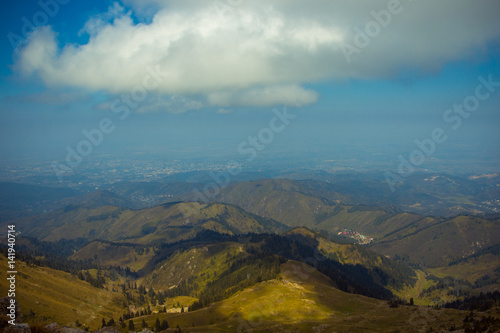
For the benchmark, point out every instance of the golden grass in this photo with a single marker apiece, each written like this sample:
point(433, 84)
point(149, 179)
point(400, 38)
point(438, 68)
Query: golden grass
point(301, 300)
point(60, 297)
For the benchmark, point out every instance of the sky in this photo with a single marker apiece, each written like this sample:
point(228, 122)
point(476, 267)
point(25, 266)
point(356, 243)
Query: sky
point(172, 76)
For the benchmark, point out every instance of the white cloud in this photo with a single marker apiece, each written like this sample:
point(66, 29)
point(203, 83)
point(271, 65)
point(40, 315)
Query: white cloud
point(96, 23)
point(258, 53)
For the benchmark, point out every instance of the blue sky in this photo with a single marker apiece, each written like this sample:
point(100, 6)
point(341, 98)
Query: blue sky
point(225, 65)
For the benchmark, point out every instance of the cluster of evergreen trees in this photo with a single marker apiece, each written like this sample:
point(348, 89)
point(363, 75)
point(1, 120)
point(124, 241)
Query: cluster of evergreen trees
point(267, 253)
point(109, 323)
point(51, 254)
point(242, 273)
point(97, 282)
point(453, 285)
point(349, 278)
point(481, 302)
point(139, 313)
point(485, 324)
point(158, 326)
point(150, 296)
point(55, 255)
point(397, 301)
point(458, 287)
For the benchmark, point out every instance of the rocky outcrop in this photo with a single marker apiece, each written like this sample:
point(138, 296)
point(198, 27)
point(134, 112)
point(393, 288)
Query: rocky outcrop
point(18, 328)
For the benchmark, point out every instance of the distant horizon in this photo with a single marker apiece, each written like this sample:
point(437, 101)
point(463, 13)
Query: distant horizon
point(369, 85)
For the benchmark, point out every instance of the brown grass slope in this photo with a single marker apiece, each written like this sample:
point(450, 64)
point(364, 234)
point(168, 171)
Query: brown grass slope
point(56, 296)
point(115, 254)
point(166, 222)
point(277, 199)
point(431, 241)
point(289, 203)
point(304, 300)
point(440, 243)
point(204, 263)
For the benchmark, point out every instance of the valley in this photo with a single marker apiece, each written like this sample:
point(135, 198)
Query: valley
point(229, 166)
point(268, 255)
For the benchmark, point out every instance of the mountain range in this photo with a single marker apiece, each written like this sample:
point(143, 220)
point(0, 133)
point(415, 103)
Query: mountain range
point(248, 259)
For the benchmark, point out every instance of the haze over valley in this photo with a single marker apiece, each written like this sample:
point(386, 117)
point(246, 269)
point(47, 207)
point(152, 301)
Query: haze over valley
point(250, 166)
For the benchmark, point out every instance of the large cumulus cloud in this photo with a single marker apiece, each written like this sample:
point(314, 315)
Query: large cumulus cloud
point(257, 53)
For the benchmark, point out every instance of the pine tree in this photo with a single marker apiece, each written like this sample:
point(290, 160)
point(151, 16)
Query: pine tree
point(103, 323)
point(131, 325)
point(144, 324)
point(164, 325)
point(157, 325)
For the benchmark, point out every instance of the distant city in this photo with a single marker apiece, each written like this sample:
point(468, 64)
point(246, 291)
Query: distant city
point(104, 169)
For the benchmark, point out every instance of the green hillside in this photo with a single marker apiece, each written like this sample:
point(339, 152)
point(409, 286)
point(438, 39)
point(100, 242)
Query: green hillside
point(277, 199)
point(431, 241)
point(301, 300)
point(115, 254)
point(296, 205)
point(54, 296)
point(439, 243)
point(162, 223)
point(231, 283)
point(203, 263)
point(221, 263)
